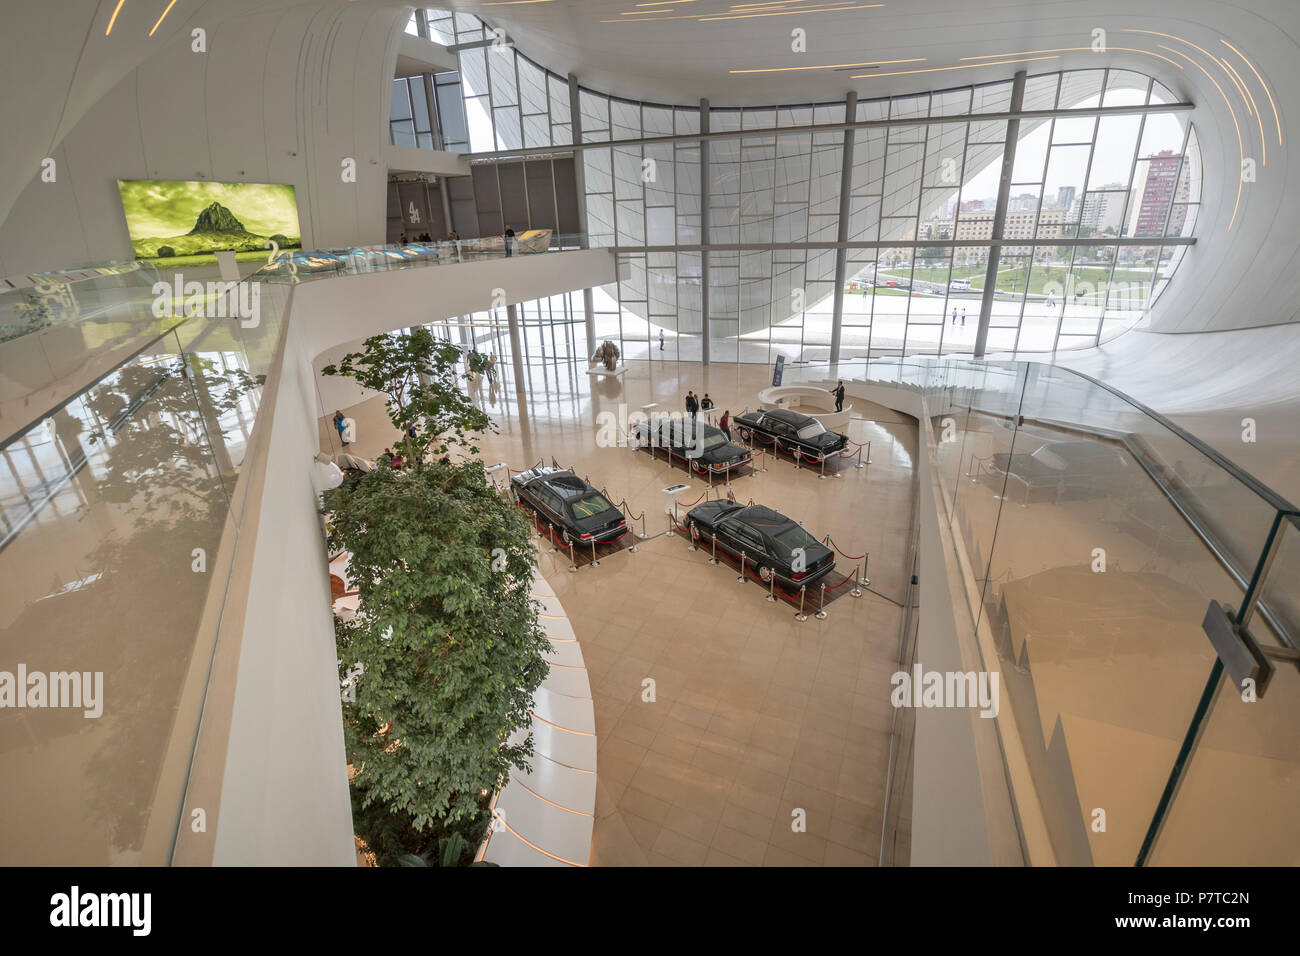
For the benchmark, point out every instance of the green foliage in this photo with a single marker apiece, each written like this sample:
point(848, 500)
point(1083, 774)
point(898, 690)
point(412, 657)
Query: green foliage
point(418, 373)
point(450, 645)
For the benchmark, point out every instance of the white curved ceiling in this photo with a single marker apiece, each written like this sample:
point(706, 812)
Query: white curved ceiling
point(680, 50)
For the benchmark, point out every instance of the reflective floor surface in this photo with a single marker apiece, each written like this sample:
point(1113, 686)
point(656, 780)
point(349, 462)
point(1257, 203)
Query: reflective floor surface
point(755, 717)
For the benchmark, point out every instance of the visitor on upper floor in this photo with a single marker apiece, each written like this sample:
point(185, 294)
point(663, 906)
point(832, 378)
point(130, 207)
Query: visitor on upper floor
point(340, 423)
point(839, 397)
point(510, 241)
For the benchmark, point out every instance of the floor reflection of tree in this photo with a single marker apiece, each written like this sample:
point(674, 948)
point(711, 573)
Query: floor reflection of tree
point(137, 622)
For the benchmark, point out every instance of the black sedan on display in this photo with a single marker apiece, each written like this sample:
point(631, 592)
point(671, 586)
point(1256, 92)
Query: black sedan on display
point(579, 511)
point(792, 430)
point(704, 447)
point(771, 542)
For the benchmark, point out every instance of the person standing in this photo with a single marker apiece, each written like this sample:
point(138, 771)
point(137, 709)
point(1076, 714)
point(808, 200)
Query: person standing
point(492, 368)
point(510, 241)
point(839, 396)
point(692, 404)
point(963, 318)
point(725, 423)
point(661, 340)
point(340, 423)
point(707, 403)
point(954, 315)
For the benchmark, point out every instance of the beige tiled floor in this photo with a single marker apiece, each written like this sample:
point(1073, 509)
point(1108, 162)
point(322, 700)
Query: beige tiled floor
point(755, 716)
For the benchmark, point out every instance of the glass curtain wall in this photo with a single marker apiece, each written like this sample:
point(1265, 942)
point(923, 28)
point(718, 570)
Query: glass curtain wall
point(1104, 178)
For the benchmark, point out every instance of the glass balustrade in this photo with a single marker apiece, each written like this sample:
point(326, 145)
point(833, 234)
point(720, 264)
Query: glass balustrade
point(1093, 534)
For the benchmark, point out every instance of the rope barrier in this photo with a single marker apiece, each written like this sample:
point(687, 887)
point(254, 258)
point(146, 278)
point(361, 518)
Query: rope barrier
point(847, 557)
point(788, 597)
point(697, 500)
point(522, 470)
point(832, 587)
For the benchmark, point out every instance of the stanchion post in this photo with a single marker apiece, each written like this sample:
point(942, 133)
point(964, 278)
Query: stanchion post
point(741, 579)
point(771, 588)
point(693, 531)
point(856, 591)
point(866, 559)
point(573, 564)
point(594, 562)
point(713, 550)
point(823, 474)
point(821, 610)
point(801, 616)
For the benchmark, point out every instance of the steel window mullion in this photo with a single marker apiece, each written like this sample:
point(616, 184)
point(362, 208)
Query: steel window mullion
point(1128, 198)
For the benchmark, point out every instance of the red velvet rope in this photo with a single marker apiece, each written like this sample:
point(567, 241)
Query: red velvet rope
point(848, 557)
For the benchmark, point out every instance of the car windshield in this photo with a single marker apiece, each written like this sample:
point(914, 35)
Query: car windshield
point(793, 537)
point(591, 505)
point(812, 430)
point(712, 441)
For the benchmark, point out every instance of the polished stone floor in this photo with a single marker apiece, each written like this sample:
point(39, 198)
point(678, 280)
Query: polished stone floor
point(758, 722)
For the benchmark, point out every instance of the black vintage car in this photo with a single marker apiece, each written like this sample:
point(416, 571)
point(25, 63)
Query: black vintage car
point(771, 542)
point(704, 447)
point(579, 511)
point(792, 430)
point(1067, 467)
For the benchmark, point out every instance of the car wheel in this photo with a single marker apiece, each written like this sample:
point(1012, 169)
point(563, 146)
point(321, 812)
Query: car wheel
point(765, 572)
point(744, 433)
point(698, 466)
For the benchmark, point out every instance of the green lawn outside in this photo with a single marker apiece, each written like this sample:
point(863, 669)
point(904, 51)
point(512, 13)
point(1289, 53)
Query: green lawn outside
point(1012, 278)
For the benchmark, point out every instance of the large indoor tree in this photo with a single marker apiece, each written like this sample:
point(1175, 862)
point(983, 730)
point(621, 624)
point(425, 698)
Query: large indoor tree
point(418, 374)
point(446, 637)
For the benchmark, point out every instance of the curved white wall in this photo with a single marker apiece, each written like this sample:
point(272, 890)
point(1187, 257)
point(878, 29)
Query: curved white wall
point(283, 94)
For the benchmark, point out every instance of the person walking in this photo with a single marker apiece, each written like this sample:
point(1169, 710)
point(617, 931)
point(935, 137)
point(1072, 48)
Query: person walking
point(492, 368)
point(692, 404)
point(725, 423)
point(963, 318)
point(340, 423)
point(839, 396)
point(954, 315)
point(661, 340)
point(510, 241)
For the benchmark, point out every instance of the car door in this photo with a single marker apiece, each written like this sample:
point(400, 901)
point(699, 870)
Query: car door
point(781, 431)
point(552, 507)
point(748, 541)
point(726, 530)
